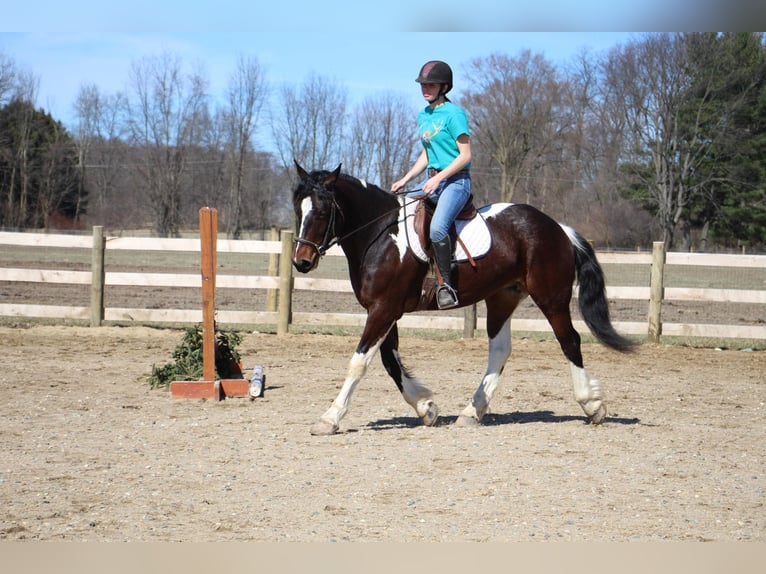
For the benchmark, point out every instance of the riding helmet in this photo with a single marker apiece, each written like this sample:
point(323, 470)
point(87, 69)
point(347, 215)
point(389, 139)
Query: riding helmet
point(435, 72)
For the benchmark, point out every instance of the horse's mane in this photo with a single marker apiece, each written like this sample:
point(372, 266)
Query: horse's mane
point(318, 176)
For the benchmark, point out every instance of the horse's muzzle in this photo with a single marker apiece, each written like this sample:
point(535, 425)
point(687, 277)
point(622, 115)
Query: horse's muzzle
point(306, 255)
point(303, 265)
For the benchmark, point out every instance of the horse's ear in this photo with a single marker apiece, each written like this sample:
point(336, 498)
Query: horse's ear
point(332, 177)
point(301, 172)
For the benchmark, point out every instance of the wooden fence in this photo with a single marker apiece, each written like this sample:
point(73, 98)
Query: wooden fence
point(281, 284)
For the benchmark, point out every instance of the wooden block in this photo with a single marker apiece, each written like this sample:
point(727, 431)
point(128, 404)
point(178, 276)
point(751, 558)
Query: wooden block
point(235, 387)
point(196, 390)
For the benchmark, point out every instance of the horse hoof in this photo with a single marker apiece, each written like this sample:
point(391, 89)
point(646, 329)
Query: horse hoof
point(431, 414)
point(467, 421)
point(598, 417)
point(323, 428)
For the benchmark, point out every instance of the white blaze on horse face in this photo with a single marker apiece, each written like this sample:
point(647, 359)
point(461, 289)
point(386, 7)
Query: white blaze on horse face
point(305, 211)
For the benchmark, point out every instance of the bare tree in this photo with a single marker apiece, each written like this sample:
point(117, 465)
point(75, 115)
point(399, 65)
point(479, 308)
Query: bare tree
point(246, 96)
point(309, 124)
point(513, 109)
point(382, 140)
point(589, 173)
point(8, 75)
point(165, 123)
point(99, 134)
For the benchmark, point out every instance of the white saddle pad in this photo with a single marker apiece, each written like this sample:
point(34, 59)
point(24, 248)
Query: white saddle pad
point(474, 233)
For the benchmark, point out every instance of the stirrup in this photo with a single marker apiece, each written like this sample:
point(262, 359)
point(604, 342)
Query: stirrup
point(446, 297)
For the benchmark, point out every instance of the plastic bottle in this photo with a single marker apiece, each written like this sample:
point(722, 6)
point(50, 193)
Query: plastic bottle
point(257, 383)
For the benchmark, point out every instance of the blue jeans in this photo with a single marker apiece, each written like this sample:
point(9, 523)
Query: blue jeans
point(450, 198)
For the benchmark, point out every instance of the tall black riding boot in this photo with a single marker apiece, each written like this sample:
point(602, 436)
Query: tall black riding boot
point(446, 296)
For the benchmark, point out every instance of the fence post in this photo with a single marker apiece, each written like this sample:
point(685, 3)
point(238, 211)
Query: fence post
point(285, 283)
point(656, 291)
point(469, 321)
point(271, 294)
point(97, 277)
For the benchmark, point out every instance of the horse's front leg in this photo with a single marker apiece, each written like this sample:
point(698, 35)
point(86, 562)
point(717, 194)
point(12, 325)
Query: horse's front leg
point(499, 351)
point(375, 331)
point(415, 393)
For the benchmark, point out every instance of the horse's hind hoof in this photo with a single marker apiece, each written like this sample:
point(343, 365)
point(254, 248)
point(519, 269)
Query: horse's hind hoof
point(430, 414)
point(598, 417)
point(467, 421)
point(323, 428)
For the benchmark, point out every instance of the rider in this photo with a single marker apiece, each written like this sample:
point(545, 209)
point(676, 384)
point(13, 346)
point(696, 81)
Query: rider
point(444, 133)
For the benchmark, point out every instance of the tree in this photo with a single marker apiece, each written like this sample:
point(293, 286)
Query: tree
point(514, 110)
point(8, 74)
point(309, 125)
point(730, 70)
point(650, 75)
point(166, 119)
point(683, 96)
point(100, 138)
point(589, 172)
point(39, 180)
point(246, 96)
point(382, 140)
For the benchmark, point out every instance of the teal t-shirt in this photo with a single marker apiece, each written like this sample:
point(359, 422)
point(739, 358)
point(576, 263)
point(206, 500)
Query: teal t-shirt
point(439, 129)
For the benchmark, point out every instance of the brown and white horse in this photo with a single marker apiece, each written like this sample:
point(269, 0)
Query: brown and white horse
point(530, 255)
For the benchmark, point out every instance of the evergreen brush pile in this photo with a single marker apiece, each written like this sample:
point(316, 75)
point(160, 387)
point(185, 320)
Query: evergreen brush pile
point(187, 359)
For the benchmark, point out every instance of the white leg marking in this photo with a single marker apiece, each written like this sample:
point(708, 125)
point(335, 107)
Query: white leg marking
point(588, 393)
point(357, 367)
point(418, 396)
point(499, 351)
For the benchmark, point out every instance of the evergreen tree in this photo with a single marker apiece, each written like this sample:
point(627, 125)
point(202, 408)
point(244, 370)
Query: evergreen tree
point(39, 176)
point(730, 71)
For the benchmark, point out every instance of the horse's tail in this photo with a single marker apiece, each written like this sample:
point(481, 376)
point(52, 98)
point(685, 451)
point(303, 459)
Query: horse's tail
point(594, 306)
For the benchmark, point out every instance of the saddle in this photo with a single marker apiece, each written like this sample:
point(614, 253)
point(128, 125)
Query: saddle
point(422, 223)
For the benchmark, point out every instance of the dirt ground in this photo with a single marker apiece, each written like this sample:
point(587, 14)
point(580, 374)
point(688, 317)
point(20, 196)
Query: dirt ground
point(91, 453)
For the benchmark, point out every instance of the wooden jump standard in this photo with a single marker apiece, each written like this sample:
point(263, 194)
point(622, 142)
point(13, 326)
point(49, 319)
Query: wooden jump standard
point(209, 387)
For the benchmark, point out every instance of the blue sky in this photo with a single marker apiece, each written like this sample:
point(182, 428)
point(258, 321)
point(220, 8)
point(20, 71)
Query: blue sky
point(65, 62)
point(369, 47)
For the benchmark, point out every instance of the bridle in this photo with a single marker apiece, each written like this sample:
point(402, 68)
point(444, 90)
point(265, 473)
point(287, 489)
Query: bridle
point(327, 242)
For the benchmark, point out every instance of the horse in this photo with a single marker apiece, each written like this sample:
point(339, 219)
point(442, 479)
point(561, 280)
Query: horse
point(530, 255)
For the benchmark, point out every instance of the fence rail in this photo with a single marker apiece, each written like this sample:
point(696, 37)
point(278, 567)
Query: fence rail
point(280, 280)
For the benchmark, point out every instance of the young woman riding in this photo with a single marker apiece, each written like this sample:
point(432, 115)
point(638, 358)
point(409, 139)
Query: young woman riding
point(445, 135)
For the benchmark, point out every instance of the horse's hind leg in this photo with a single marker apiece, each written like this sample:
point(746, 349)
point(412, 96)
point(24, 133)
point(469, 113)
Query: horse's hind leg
point(587, 391)
point(414, 392)
point(499, 351)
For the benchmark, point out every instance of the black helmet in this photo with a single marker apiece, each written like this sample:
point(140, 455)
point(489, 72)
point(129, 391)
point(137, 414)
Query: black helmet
point(436, 72)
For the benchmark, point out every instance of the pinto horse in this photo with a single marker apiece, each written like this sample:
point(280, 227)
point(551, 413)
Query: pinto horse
point(530, 255)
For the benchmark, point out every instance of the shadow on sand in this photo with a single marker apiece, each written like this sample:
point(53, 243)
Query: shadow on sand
point(496, 419)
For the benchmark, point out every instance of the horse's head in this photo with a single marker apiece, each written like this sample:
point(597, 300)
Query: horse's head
point(316, 213)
